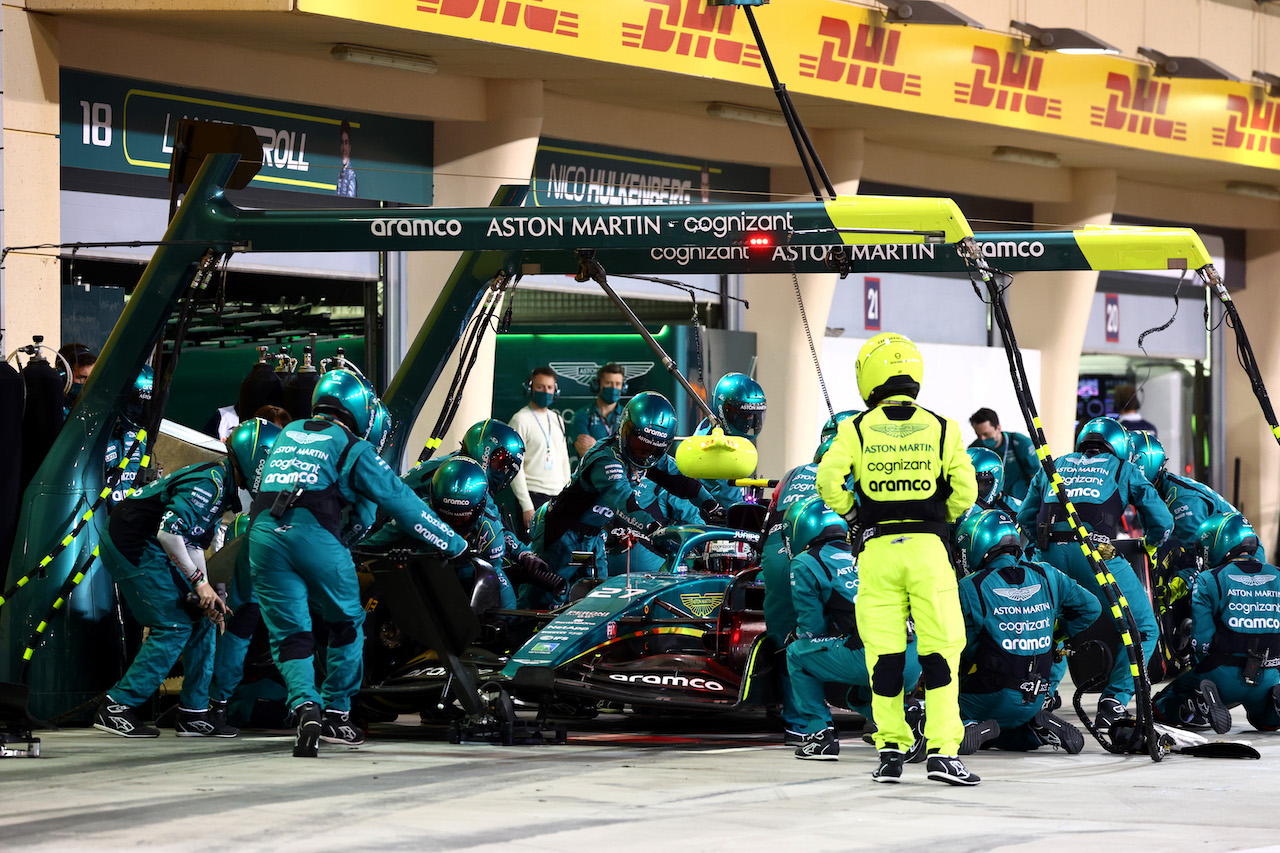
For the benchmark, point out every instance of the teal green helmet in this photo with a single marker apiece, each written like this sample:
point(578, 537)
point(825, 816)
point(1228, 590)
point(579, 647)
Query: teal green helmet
point(738, 400)
point(1225, 536)
point(647, 426)
point(139, 395)
point(382, 425)
point(248, 446)
point(498, 448)
point(808, 521)
point(1105, 434)
point(345, 398)
point(459, 490)
point(1148, 454)
point(989, 467)
point(986, 535)
point(829, 430)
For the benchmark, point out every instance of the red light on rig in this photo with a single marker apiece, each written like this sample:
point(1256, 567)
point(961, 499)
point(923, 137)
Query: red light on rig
point(759, 241)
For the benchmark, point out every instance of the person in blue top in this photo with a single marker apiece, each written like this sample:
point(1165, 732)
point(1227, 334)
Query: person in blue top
point(1235, 612)
point(1010, 608)
point(153, 548)
point(1100, 482)
point(827, 647)
point(1017, 450)
point(605, 485)
point(597, 421)
point(317, 467)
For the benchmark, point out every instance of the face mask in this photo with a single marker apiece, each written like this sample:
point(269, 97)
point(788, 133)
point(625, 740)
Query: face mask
point(542, 399)
point(610, 395)
point(989, 443)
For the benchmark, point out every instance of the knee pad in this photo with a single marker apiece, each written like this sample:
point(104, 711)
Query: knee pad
point(342, 633)
point(934, 671)
point(244, 620)
point(297, 646)
point(887, 677)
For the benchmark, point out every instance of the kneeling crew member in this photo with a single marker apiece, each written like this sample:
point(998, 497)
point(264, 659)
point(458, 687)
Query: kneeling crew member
point(911, 476)
point(824, 589)
point(1010, 606)
point(1235, 612)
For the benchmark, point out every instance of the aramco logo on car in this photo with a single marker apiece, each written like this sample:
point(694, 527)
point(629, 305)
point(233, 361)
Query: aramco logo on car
point(695, 682)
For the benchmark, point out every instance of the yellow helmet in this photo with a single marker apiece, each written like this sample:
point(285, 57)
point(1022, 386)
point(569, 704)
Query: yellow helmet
point(888, 364)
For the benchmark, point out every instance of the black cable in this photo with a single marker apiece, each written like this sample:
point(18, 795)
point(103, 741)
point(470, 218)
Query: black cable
point(813, 350)
point(669, 282)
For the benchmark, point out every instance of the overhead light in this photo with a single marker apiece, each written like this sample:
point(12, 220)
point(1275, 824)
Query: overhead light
point(1062, 39)
point(925, 12)
point(1186, 66)
point(1272, 82)
point(735, 112)
point(1265, 191)
point(1027, 157)
point(384, 58)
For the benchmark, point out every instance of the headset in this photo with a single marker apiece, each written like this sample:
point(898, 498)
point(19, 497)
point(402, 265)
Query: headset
point(528, 383)
point(611, 367)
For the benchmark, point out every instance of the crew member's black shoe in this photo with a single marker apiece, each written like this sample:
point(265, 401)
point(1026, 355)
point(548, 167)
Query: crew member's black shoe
point(218, 712)
point(791, 737)
point(117, 719)
point(976, 734)
point(950, 769)
point(1109, 712)
point(1058, 733)
point(307, 743)
point(201, 724)
point(338, 727)
point(820, 746)
point(1209, 705)
point(890, 769)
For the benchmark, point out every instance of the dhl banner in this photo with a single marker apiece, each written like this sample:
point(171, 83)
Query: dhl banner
point(834, 50)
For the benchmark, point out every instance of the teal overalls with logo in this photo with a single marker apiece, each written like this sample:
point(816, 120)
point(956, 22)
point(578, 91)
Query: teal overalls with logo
point(186, 503)
point(296, 553)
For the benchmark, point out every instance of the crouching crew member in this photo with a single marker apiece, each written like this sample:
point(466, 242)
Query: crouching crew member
point(1235, 612)
point(317, 467)
point(1010, 607)
point(824, 589)
point(911, 476)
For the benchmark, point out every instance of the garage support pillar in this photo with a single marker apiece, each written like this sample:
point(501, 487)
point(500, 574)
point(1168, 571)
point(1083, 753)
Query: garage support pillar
point(785, 366)
point(472, 160)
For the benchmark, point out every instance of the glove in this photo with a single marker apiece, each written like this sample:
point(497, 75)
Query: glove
point(851, 517)
point(1106, 550)
point(713, 513)
point(1177, 588)
point(532, 569)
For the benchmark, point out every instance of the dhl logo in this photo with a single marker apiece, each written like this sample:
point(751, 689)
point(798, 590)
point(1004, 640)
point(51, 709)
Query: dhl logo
point(863, 57)
point(690, 28)
point(1253, 125)
point(1134, 106)
point(1007, 83)
point(530, 14)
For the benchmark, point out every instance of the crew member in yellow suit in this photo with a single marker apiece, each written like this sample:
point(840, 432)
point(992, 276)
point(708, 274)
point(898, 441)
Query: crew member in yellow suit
point(911, 475)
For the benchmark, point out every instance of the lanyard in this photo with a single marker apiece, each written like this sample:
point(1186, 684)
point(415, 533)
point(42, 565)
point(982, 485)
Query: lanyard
point(546, 431)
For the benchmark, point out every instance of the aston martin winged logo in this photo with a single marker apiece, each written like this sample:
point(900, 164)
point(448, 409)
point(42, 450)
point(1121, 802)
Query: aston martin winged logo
point(1017, 594)
point(1252, 580)
point(583, 372)
point(701, 605)
point(899, 430)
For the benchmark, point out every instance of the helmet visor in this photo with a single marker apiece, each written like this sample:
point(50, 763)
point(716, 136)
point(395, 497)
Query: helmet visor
point(640, 449)
point(460, 515)
point(503, 467)
point(746, 419)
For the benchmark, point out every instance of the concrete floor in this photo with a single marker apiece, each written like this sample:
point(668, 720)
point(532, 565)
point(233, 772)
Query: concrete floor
point(610, 789)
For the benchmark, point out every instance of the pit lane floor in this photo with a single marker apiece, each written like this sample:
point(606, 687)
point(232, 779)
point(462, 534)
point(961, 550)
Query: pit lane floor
point(621, 784)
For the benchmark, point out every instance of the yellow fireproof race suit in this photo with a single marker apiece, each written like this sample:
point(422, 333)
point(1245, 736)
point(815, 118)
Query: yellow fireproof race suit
point(911, 475)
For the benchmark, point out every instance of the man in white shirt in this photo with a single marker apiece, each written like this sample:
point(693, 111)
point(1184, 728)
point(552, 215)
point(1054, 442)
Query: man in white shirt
point(546, 458)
